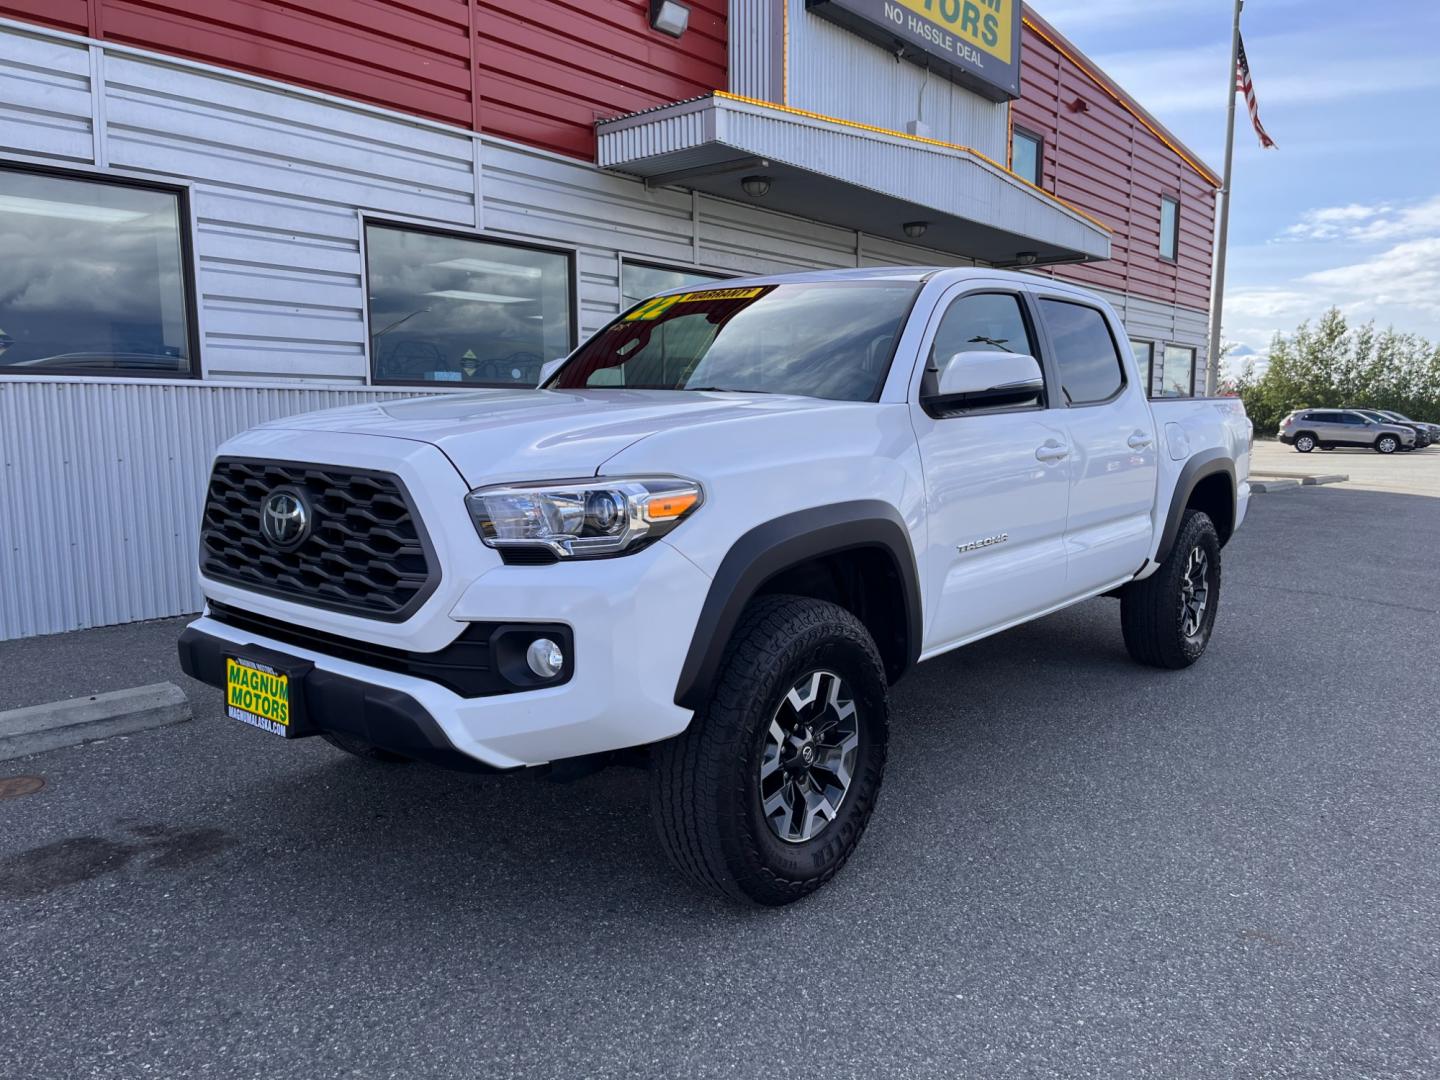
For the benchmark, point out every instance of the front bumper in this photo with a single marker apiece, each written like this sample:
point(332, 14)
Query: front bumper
point(631, 618)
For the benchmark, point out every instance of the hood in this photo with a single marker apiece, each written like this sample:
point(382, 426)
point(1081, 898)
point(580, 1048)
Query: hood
point(503, 436)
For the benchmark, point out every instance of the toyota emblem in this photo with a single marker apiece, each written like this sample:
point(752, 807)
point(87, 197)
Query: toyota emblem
point(285, 518)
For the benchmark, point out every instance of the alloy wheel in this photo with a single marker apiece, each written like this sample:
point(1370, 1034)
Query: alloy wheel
point(808, 761)
point(1194, 592)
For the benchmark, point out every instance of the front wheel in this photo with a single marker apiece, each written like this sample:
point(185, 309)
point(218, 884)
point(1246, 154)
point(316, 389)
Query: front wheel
point(1387, 444)
point(768, 791)
point(1167, 618)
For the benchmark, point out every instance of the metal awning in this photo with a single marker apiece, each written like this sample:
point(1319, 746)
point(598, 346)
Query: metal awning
point(852, 176)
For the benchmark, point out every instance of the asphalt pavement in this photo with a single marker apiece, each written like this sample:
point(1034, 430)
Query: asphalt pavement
point(1078, 868)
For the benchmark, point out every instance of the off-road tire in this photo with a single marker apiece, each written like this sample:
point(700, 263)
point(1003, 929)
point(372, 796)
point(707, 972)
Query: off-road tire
point(1304, 443)
point(705, 783)
point(1152, 612)
point(361, 749)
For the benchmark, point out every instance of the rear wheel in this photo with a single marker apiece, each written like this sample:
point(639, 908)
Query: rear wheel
point(1168, 617)
point(1387, 444)
point(1304, 443)
point(768, 791)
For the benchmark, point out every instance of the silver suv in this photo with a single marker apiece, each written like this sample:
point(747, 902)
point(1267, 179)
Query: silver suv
point(1306, 429)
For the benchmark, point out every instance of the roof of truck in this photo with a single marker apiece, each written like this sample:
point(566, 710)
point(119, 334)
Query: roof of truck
point(870, 273)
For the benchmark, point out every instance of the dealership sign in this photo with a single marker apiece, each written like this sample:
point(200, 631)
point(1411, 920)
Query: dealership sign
point(974, 42)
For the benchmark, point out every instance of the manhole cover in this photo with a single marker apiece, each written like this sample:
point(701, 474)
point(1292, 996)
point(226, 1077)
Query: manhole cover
point(12, 787)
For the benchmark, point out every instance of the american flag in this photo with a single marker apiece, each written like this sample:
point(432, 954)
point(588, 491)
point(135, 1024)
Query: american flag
point(1246, 87)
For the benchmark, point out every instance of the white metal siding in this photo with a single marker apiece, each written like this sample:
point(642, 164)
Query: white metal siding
point(45, 104)
point(757, 49)
point(835, 72)
point(1150, 320)
point(101, 486)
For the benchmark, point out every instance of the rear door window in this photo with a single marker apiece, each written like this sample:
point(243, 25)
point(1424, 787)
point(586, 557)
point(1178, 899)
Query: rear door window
point(1085, 352)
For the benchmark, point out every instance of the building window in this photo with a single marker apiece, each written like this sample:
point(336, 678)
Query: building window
point(640, 281)
point(1177, 376)
point(456, 309)
point(1085, 352)
point(1026, 154)
point(1169, 227)
point(1145, 360)
point(93, 278)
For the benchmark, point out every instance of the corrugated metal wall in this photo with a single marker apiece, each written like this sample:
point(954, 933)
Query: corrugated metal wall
point(101, 486)
point(837, 73)
point(757, 49)
point(1102, 159)
point(412, 55)
point(546, 70)
point(541, 71)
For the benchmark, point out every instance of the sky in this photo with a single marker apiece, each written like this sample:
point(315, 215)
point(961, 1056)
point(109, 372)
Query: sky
point(1346, 211)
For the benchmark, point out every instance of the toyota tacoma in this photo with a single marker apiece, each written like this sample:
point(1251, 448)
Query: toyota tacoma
point(711, 541)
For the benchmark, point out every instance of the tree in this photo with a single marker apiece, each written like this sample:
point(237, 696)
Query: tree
point(1331, 365)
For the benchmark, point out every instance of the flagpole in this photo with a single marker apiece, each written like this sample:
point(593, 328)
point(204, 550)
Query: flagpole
point(1217, 287)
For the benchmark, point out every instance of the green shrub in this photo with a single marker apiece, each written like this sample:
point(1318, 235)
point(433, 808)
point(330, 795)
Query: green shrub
point(1331, 365)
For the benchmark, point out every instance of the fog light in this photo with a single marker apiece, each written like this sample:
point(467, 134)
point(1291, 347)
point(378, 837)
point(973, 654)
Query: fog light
point(545, 658)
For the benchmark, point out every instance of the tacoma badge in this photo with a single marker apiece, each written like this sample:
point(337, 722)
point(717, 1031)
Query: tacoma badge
point(976, 545)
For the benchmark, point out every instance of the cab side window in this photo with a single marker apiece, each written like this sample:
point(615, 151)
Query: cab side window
point(1085, 351)
point(982, 322)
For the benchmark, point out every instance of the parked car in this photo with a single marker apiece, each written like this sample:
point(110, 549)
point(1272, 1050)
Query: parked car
point(1306, 429)
point(711, 542)
point(1432, 429)
point(1422, 431)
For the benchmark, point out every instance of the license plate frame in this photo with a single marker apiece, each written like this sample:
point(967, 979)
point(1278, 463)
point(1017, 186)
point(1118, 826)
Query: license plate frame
point(266, 690)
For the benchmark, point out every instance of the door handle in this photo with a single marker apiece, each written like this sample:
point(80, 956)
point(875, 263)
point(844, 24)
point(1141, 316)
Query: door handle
point(1051, 451)
point(1139, 441)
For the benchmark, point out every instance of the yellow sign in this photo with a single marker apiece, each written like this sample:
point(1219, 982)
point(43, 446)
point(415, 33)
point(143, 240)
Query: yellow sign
point(257, 697)
point(653, 309)
point(985, 24)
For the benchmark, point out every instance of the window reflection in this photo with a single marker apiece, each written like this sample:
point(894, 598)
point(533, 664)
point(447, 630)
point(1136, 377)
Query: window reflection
point(1178, 373)
point(639, 281)
point(1145, 360)
point(452, 309)
point(1025, 156)
point(92, 278)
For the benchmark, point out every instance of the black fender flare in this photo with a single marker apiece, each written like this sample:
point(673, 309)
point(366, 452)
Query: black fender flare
point(778, 545)
point(1206, 463)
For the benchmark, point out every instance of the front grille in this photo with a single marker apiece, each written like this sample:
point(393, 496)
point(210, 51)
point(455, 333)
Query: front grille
point(366, 551)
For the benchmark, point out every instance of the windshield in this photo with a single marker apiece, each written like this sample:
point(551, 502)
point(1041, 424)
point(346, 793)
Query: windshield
point(819, 339)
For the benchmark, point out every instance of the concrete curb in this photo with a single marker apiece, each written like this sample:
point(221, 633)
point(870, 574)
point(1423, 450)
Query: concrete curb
point(68, 723)
point(1262, 487)
point(1304, 477)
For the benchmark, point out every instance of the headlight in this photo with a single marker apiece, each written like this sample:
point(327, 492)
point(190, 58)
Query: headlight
point(576, 519)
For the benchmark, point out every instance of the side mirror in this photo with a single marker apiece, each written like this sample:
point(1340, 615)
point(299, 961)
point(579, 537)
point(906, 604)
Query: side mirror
point(983, 379)
point(547, 369)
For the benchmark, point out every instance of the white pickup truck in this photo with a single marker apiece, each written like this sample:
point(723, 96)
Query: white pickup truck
point(711, 541)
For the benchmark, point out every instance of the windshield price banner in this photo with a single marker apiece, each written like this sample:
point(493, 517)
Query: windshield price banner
point(974, 42)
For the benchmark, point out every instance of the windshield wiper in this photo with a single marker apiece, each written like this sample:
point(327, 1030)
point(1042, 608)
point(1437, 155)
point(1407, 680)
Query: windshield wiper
point(725, 390)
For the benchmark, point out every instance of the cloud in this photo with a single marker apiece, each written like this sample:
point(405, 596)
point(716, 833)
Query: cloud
point(1176, 81)
point(1367, 224)
point(1128, 13)
point(1398, 286)
point(1404, 277)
